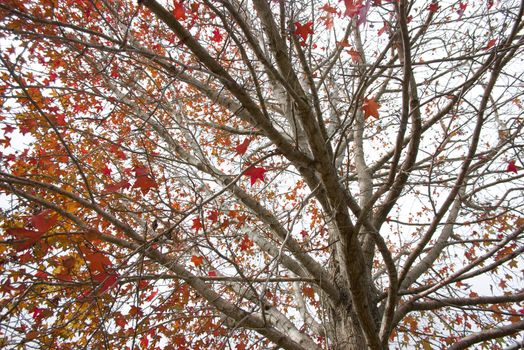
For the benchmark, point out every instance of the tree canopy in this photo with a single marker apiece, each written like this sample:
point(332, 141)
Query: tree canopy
point(233, 174)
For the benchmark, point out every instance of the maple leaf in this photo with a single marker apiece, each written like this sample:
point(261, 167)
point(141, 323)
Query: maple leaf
point(197, 225)
point(255, 174)
point(213, 216)
point(343, 43)
point(197, 260)
point(123, 184)
point(512, 168)
point(329, 9)
point(490, 44)
point(433, 7)
point(245, 244)
point(145, 183)
point(26, 238)
point(370, 108)
point(8, 129)
point(304, 30)
point(309, 292)
point(217, 37)
point(352, 7)
point(120, 320)
point(140, 171)
point(106, 281)
point(241, 148)
point(383, 29)
point(179, 12)
point(355, 55)
point(43, 221)
point(98, 261)
point(106, 171)
point(462, 9)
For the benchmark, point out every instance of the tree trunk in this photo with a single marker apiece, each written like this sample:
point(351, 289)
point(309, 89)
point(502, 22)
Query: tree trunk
point(346, 332)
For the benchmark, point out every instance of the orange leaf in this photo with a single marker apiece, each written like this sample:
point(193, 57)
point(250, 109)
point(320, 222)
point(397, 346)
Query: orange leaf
point(370, 108)
point(309, 292)
point(197, 260)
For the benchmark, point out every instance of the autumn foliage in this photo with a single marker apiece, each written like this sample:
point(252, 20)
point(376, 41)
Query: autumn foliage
point(261, 174)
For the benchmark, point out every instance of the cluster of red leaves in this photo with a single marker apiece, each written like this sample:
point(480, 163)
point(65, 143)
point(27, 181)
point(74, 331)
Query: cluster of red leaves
point(26, 238)
point(101, 270)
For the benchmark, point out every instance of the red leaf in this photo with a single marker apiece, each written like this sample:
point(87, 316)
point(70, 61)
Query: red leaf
point(197, 225)
point(462, 9)
point(329, 9)
point(217, 37)
point(145, 183)
point(179, 12)
point(370, 108)
point(490, 4)
point(343, 43)
point(355, 56)
point(98, 261)
point(106, 171)
point(255, 174)
point(352, 7)
point(197, 260)
point(309, 292)
point(212, 273)
point(37, 313)
point(383, 29)
point(140, 171)
point(512, 168)
point(490, 44)
point(245, 244)
point(43, 221)
point(304, 30)
point(213, 216)
point(241, 148)
point(433, 7)
point(26, 238)
point(152, 295)
point(105, 280)
point(144, 342)
point(117, 186)
point(8, 129)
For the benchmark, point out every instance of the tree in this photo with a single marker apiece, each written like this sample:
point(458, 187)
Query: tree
point(264, 174)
